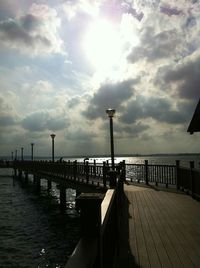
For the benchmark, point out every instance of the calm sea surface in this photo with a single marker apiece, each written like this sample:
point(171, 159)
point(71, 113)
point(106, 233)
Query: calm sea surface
point(33, 232)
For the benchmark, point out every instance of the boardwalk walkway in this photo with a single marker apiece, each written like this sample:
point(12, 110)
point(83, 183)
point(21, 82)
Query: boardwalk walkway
point(159, 229)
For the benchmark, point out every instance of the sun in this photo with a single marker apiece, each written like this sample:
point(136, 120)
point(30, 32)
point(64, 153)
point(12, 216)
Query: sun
point(102, 44)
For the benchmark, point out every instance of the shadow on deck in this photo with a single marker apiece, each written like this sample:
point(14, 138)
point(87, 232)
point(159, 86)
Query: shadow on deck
point(158, 229)
point(125, 257)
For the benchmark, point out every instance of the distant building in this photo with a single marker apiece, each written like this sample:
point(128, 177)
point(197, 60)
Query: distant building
point(195, 122)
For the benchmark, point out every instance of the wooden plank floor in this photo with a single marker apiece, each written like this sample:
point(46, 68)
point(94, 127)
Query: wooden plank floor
point(163, 229)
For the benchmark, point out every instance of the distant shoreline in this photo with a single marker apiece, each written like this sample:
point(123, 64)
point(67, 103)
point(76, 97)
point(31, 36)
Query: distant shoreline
point(107, 155)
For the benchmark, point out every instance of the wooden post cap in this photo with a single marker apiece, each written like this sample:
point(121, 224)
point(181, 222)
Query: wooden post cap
point(89, 205)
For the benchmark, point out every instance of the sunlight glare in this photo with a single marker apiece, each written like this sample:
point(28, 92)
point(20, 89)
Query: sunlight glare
point(102, 45)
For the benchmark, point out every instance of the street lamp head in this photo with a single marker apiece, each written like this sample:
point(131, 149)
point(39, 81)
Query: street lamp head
point(32, 144)
point(110, 112)
point(52, 136)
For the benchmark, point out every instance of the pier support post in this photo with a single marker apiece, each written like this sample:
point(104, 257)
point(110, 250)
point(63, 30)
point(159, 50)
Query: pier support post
point(49, 185)
point(20, 173)
point(62, 198)
point(15, 172)
point(26, 176)
point(36, 181)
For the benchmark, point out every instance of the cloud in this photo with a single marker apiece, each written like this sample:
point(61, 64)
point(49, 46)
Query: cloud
point(35, 33)
point(8, 116)
point(109, 96)
point(107, 8)
point(79, 134)
point(44, 120)
point(159, 109)
point(129, 130)
point(7, 120)
point(73, 102)
point(156, 46)
point(170, 11)
point(77, 7)
point(185, 77)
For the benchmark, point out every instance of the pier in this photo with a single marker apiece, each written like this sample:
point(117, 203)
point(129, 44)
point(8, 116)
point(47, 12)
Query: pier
point(136, 216)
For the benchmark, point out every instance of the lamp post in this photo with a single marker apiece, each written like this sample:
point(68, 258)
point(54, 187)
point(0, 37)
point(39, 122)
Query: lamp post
point(32, 144)
point(12, 156)
point(110, 112)
point(53, 137)
point(22, 153)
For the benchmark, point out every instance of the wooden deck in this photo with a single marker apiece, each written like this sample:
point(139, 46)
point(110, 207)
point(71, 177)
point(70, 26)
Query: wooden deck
point(159, 229)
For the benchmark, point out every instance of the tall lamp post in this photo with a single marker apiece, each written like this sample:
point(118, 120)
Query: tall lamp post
point(110, 112)
point(32, 144)
point(52, 137)
point(22, 153)
point(12, 156)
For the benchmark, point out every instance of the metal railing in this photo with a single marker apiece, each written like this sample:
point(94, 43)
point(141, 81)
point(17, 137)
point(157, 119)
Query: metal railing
point(148, 173)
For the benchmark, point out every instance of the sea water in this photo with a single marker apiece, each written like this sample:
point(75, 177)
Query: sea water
point(33, 231)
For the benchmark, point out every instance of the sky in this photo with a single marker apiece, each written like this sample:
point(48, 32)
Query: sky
point(63, 63)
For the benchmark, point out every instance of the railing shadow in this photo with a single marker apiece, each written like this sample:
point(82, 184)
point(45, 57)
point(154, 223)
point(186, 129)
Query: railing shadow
point(125, 256)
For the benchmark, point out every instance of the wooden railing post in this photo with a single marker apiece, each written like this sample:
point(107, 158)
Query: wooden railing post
point(89, 205)
point(178, 174)
point(192, 178)
point(146, 172)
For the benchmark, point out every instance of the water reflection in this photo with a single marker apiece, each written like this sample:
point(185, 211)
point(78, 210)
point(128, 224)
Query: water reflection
point(33, 231)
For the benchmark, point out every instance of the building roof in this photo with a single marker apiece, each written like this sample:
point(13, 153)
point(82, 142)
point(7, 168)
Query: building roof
point(194, 125)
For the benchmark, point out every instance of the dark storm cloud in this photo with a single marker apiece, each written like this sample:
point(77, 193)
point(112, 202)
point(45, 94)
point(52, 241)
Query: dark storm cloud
point(170, 11)
point(187, 78)
point(124, 130)
point(23, 31)
point(191, 21)
point(7, 120)
point(159, 109)
point(155, 46)
point(30, 23)
point(41, 121)
point(109, 96)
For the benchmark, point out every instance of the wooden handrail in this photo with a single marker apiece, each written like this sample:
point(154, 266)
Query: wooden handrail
point(105, 237)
